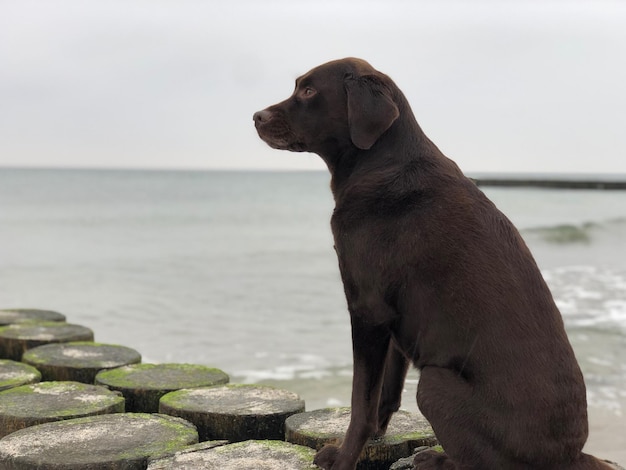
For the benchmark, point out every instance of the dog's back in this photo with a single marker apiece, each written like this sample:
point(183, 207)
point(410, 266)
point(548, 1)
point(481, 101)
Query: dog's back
point(434, 274)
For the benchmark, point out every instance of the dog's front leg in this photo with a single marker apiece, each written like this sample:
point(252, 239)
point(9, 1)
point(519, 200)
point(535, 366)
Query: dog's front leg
point(396, 367)
point(370, 343)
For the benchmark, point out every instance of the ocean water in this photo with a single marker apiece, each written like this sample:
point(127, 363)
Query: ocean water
point(237, 270)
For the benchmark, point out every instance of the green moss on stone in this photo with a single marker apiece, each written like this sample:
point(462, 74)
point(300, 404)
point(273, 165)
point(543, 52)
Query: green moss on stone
point(410, 436)
point(305, 454)
point(167, 376)
point(184, 434)
point(116, 441)
point(24, 400)
point(13, 374)
point(33, 330)
point(25, 315)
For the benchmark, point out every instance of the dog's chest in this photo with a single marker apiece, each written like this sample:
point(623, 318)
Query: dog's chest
point(364, 244)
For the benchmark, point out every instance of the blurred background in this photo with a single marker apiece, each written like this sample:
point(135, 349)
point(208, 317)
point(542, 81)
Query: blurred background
point(500, 85)
point(116, 116)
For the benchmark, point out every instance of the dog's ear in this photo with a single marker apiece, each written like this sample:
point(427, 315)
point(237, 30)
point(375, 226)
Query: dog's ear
point(371, 109)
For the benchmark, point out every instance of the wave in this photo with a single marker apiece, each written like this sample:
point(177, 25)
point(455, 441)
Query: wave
point(582, 233)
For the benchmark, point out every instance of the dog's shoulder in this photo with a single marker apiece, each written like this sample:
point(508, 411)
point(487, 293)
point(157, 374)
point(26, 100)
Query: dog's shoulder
point(384, 193)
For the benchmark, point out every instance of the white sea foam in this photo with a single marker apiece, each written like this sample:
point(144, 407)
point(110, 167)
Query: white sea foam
point(590, 296)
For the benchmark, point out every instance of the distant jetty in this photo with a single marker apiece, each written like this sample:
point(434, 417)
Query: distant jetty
point(555, 181)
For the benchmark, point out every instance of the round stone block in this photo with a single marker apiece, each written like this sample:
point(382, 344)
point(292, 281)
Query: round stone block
point(29, 405)
point(17, 338)
point(14, 374)
point(406, 431)
point(234, 412)
point(266, 455)
point(9, 316)
point(121, 441)
point(78, 361)
point(143, 385)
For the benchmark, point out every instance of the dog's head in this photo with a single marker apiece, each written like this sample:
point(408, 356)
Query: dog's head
point(341, 104)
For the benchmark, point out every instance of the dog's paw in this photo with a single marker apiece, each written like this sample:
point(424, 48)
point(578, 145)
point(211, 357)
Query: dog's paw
point(326, 457)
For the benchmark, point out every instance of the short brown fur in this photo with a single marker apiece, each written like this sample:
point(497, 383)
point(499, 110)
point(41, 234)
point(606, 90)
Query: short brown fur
point(434, 275)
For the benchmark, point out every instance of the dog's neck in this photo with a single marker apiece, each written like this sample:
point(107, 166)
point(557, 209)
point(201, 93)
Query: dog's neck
point(387, 159)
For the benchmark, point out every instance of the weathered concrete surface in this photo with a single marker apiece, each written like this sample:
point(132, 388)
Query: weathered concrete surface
point(252, 455)
point(17, 338)
point(234, 412)
point(143, 385)
point(78, 361)
point(14, 374)
point(122, 441)
point(406, 431)
point(29, 405)
point(10, 316)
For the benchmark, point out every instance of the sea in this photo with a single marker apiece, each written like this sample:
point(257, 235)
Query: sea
point(236, 269)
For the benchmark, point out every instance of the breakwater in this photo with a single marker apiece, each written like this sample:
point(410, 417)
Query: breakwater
point(553, 181)
point(68, 402)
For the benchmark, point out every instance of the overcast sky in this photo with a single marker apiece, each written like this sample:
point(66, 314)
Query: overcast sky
point(500, 85)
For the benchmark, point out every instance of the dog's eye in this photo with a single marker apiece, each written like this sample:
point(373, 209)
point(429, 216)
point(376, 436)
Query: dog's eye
point(308, 92)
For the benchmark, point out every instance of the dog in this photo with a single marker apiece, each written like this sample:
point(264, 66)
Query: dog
point(434, 275)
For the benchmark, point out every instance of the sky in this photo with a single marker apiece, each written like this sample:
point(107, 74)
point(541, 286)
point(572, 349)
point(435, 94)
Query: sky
point(498, 85)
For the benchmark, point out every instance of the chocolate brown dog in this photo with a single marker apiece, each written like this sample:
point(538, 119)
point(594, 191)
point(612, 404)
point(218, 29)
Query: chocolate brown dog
point(435, 275)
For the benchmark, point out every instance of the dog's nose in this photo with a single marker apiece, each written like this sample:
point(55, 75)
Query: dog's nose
point(262, 116)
